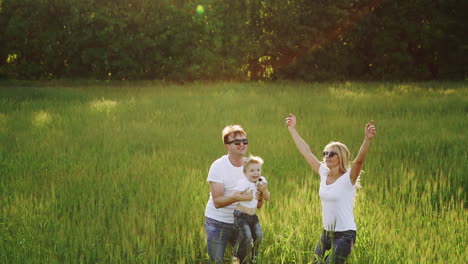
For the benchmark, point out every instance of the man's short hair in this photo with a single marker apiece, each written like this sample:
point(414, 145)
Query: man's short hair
point(233, 130)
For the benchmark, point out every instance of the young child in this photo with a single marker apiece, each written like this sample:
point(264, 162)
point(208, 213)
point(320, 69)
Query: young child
point(245, 214)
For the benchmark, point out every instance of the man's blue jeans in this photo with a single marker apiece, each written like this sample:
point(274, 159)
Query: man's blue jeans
point(218, 235)
point(250, 236)
point(341, 242)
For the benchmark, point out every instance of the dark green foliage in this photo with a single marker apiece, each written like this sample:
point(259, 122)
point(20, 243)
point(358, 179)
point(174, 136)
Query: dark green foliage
point(246, 39)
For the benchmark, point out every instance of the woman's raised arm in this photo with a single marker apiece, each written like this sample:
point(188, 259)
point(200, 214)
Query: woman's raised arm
point(301, 145)
point(369, 133)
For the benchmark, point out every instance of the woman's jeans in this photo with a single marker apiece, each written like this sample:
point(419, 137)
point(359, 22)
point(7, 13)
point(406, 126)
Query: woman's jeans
point(340, 243)
point(250, 236)
point(218, 235)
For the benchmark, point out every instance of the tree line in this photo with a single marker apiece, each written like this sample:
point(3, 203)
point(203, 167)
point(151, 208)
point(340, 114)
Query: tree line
point(311, 40)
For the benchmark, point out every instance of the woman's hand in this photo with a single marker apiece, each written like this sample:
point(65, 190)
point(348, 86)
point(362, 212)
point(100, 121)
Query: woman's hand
point(291, 121)
point(370, 130)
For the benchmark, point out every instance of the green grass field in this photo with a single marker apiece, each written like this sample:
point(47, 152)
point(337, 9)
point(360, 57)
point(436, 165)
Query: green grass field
point(116, 173)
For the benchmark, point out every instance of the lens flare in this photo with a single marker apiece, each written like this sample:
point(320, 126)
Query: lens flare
point(200, 9)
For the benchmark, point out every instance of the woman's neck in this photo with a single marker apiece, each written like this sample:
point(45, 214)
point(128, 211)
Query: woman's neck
point(335, 172)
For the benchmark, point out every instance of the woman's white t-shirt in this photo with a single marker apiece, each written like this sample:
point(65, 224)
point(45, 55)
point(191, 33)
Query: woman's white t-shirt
point(337, 201)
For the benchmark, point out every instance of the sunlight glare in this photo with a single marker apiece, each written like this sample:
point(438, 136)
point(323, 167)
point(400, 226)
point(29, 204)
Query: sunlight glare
point(42, 118)
point(200, 9)
point(103, 105)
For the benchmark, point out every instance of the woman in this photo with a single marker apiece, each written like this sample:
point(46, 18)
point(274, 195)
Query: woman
point(337, 190)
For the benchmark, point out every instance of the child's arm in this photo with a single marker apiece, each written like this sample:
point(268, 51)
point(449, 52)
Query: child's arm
point(265, 193)
point(262, 188)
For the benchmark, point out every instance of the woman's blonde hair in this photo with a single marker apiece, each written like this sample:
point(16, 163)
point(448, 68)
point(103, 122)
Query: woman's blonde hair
point(345, 164)
point(343, 154)
point(234, 130)
point(250, 160)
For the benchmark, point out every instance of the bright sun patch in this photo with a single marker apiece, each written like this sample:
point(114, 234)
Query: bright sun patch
point(347, 93)
point(42, 118)
point(2, 121)
point(444, 92)
point(200, 9)
point(103, 105)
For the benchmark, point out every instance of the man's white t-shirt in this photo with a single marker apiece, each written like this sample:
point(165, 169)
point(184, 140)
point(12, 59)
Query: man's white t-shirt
point(222, 171)
point(337, 201)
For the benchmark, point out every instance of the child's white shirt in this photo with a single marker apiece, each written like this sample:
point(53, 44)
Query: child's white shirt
point(244, 184)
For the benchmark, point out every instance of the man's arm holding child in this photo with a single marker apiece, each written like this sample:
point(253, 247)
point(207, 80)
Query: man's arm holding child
point(219, 200)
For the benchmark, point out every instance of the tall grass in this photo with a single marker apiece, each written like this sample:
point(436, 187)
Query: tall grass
point(116, 173)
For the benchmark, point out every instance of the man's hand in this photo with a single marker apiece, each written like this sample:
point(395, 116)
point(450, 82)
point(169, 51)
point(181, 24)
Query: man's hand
point(245, 195)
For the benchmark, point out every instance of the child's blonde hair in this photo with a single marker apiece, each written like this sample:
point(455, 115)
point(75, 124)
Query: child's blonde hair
point(250, 160)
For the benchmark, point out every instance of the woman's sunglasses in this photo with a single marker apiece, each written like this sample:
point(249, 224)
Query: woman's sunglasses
point(238, 141)
point(330, 154)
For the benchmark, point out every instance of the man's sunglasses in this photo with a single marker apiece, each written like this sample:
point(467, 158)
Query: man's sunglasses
point(238, 141)
point(330, 154)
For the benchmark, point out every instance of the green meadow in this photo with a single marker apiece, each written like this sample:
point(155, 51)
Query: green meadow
point(116, 172)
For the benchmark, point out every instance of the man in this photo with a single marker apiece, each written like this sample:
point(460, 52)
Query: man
point(223, 176)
